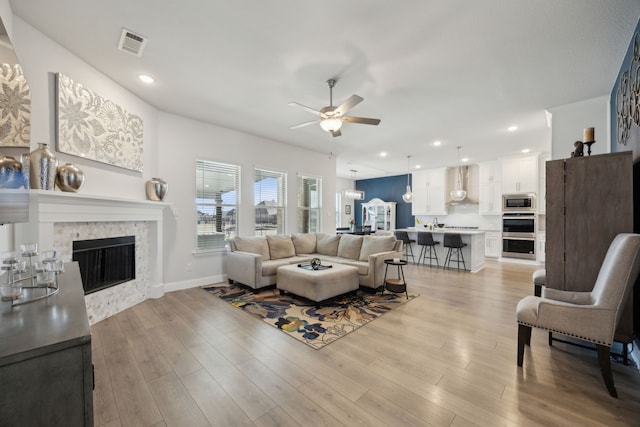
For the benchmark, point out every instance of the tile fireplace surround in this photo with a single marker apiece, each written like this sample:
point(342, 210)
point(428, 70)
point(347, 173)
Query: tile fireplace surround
point(56, 219)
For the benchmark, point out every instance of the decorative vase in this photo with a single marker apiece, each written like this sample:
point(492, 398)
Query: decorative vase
point(10, 173)
point(69, 178)
point(42, 174)
point(25, 159)
point(156, 189)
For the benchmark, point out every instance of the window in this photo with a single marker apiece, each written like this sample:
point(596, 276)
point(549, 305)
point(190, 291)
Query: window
point(309, 204)
point(270, 195)
point(217, 188)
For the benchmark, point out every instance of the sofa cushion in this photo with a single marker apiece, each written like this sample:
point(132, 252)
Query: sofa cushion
point(253, 245)
point(304, 243)
point(280, 247)
point(349, 246)
point(327, 244)
point(374, 245)
point(270, 268)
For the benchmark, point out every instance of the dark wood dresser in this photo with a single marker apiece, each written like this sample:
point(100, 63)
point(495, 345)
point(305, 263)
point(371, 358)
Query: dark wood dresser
point(46, 375)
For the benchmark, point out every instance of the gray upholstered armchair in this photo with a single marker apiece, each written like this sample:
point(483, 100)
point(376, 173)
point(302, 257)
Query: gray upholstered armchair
point(590, 316)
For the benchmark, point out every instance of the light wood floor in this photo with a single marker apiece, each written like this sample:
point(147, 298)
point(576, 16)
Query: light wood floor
point(446, 358)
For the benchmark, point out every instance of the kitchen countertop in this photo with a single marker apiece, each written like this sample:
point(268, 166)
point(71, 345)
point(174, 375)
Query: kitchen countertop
point(441, 230)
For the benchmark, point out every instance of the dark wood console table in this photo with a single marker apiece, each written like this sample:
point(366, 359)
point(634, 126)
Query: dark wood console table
point(45, 358)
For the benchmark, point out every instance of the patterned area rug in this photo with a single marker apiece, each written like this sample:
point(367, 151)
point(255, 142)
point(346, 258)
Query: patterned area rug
point(313, 324)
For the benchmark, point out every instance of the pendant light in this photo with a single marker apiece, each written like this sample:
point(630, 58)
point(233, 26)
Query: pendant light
point(458, 194)
point(353, 194)
point(408, 195)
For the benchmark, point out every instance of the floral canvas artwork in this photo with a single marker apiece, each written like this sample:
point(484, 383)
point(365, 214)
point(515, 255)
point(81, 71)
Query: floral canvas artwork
point(15, 107)
point(96, 128)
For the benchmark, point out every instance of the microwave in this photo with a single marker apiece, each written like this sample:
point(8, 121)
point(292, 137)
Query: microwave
point(525, 202)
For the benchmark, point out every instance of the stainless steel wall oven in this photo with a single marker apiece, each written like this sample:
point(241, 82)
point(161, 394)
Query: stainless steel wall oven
point(519, 235)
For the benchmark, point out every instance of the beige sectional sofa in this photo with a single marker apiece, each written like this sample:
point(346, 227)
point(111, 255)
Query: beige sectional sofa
point(254, 261)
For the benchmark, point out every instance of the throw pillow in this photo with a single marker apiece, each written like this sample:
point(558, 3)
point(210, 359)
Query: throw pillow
point(304, 243)
point(327, 244)
point(374, 245)
point(349, 246)
point(253, 245)
point(280, 247)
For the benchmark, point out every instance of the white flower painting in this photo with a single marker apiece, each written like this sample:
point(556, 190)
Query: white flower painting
point(96, 128)
point(15, 107)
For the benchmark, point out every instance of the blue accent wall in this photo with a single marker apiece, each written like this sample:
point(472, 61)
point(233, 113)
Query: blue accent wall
point(389, 189)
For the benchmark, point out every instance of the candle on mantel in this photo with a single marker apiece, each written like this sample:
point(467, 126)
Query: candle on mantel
point(588, 135)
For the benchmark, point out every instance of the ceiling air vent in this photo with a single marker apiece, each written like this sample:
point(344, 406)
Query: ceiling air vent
point(131, 42)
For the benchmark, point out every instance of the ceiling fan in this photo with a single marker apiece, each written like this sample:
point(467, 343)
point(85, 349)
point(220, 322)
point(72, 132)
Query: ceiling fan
point(331, 118)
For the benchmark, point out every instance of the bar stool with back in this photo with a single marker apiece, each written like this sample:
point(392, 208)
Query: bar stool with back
point(425, 239)
point(455, 244)
point(406, 242)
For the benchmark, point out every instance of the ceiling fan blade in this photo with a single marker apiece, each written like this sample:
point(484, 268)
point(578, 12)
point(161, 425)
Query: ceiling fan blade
point(348, 105)
point(362, 120)
point(299, 125)
point(336, 133)
point(304, 107)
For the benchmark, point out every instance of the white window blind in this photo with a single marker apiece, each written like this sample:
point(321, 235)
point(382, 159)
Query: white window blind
point(309, 209)
point(217, 191)
point(270, 194)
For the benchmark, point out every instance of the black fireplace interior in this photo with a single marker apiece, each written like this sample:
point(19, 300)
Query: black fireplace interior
point(105, 262)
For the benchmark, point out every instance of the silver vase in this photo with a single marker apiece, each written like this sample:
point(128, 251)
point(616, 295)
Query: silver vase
point(42, 175)
point(69, 178)
point(10, 173)
point(156, 189)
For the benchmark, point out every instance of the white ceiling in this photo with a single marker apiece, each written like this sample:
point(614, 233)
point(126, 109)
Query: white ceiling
point(459, 71)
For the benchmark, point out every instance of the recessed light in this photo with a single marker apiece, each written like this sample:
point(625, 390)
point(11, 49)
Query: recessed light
point(464, 159)
point(146, 79)
point(383, 154)
point(525, 150)
point(512, 128)
point(418, 166)
point(437, 143)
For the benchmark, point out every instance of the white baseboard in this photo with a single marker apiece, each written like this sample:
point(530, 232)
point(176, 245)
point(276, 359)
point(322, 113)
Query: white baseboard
point(195, 283)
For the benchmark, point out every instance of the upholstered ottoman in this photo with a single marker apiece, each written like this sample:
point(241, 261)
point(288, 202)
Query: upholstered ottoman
point(317, 285)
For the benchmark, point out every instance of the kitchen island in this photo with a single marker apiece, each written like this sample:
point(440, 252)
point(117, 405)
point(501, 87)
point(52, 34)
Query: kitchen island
point(473, 253)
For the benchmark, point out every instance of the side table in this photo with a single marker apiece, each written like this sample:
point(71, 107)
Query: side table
point(398, 285)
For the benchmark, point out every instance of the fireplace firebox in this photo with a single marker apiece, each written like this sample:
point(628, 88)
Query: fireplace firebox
point(105, 262)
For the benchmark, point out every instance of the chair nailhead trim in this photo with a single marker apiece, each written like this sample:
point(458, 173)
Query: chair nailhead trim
point(568, 334)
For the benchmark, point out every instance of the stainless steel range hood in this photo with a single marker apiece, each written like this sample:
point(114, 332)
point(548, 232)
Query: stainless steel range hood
point(468, 176)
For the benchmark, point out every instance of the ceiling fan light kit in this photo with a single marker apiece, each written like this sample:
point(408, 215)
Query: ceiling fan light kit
point(331, 118)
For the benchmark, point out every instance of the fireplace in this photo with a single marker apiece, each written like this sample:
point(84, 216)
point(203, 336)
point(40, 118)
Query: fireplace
point(105, 262)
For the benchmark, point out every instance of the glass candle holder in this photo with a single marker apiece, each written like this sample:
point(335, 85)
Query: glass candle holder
point(48, 256)
point(29, 249)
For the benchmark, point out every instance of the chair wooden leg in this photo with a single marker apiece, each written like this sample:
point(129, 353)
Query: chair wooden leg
point(524, 337)
point(550, 338)
point(604, 359)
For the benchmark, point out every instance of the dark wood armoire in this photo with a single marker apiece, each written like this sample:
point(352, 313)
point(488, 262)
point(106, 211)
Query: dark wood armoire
point(589, 202)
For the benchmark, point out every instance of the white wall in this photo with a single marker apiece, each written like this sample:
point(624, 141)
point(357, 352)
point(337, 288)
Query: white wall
point(341, 185)
point(171, 146)
point(182, 142)
point(41, 58)
point(569, 121)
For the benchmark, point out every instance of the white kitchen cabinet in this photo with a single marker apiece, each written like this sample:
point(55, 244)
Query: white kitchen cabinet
point(379, 214)
point(541, 241)
point(493, 244)
point(429, 192)
point(542, 195)
point(520, 175)
point(490, 200)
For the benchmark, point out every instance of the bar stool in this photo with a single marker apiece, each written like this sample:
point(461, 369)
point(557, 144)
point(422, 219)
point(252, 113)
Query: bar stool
point(454, 243)
point(428, 244)
point(406, 241)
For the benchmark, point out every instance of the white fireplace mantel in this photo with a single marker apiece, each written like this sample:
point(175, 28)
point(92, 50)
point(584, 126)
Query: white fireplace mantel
point(47, 208)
